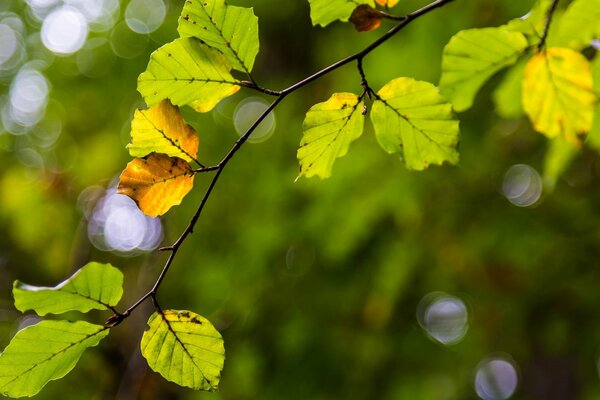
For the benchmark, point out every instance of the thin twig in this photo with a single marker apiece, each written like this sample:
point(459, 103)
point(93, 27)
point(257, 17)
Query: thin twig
point(549, 15)
point(280, 95)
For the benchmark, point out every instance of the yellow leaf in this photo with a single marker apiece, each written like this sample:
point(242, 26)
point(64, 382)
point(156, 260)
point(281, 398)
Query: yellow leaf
point(162, 129)
point(557, 93)
point(156, 182)
point(389, 3)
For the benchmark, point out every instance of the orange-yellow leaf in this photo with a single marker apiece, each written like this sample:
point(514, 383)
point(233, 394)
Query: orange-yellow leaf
point(162, 129)
point(557, 93)
point(366, 18)
point(156, 182)
point(389, 3)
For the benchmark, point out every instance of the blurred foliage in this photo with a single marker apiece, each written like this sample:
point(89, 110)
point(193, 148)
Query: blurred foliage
point(314, 285)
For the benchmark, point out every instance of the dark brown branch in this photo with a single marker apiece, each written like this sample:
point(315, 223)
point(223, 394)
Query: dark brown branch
point(280, 95)
point(549, 15)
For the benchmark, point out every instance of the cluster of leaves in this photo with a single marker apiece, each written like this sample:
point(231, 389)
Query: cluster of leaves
point(414, 119)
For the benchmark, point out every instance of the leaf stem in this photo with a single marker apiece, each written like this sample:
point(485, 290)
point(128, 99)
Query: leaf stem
point(549, 15)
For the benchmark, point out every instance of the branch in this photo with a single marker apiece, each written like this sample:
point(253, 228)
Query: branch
point(280, 95)
point(549, 15)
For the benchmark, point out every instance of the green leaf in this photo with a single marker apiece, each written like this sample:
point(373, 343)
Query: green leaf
point(329, 128)
point(578, 25)
point(324, 12)
point(187, 72)
point(593, 138)
point(557, 93)
point(531, 24)
point(94, 287)
point(44, 352)
point(184, 348)
point(162, 129)
point(558, 157)
point(472, 56)
point(412, 118)
point(232, 30)
point(507, 95)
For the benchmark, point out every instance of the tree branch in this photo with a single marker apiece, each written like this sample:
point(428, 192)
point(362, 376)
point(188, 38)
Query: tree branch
point(280, 95)
point(549, 15)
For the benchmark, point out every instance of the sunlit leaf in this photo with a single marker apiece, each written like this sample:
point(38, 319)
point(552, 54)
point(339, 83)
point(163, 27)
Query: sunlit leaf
point(388, 3)
point(329, 128)
point(187, 72)
point(232, 30)
point(94, 287)
point(366, 18)
point(411, 117)
point(593, 138)
point(324, 12)
point(44, 352)
point(156, 182)
point(162, 129)
point(184, 348)
point(472, 56)
point(578, 25)
point(507, 95)
point(559, 155)
point(557, 93)
point(531, 24)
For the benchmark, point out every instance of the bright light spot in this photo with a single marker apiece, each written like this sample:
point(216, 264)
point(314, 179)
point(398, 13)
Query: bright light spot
point(28, 97)
point(496, 379)
point(247, 112)
point(64, 31)
point(12, 46)
point(100, 14)
point(595, 44)
point(117, 224)
point(443, 317)
point(125, 43)
point(522, 185)
point(145, 16)
point(41, 8)
point(9, 43)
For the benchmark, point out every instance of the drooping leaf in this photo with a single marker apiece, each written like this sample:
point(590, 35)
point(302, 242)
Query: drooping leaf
point(232, 30)
point(472, 56)
point(366, 18)
point(184, 348)
point(187, 72)
point(411, 117)
point(156, 182)
point(531, 24)
point(593, 138)
point(387, 3)
point(94, 287)
point(557, 93)
point(507, 95)
point(44, 352)
point(329, 128)
point(558, 157)
point(162, 129)
point(578, 25)
point(324, 12)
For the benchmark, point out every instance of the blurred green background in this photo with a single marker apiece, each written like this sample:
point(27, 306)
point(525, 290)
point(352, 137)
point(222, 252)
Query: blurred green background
point(454, 283)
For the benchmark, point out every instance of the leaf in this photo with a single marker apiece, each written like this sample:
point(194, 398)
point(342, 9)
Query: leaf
point(232, 30)
point(44, 352)
point(329, 128)
point(472, 56)
point(531, 24)
point(366, 18)
point(558, 157)
point(411, 117)
point(507, 95)
point(184, 348)
point(162, 129)
point(593, 138)
point(156, 182)
point(187, 72)
point(557, 93)
point(93, 287)
point(324, 12)
point(578, 25)
point(387, 3)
